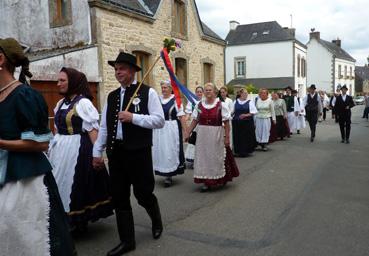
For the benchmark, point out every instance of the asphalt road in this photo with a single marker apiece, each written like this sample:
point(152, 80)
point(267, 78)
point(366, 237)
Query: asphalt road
point(299, 198)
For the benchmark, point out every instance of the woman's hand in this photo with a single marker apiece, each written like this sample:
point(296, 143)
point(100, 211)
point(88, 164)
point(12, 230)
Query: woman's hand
point(98, 163)
point(226, 141)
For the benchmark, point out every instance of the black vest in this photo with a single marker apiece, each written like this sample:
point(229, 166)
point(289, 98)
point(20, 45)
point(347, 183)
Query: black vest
point(340, 105)
point(134, 137)
point(312, 103)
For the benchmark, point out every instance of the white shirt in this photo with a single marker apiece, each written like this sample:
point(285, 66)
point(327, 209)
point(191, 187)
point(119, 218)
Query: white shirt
point(229, 103)
point(154, 120)
point(305, 101)
point(189, 106)
point(226, 114)
point(334, 99)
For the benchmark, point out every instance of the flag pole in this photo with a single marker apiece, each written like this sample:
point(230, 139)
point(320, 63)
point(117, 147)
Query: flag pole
point(140, 84)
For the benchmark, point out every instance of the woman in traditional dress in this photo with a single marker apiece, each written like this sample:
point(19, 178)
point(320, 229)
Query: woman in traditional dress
point(167, 151)
point(244, 140)
point(33, 221)
point(280, 110)
point(265, 108)
point(214, 163)
point(190, 149)
point(84, 190)
point(223, 95)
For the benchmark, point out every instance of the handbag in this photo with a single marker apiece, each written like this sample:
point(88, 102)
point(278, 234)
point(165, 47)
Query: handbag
point(192, 138)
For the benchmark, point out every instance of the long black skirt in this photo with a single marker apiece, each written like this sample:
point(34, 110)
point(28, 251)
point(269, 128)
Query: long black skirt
point(244, 140)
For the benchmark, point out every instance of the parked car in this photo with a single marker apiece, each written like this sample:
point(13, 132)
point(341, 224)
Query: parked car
point(359, 100)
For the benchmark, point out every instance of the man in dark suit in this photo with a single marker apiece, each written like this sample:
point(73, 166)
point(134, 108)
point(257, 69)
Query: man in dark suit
point(127, 137)
point(342, 106)
point(313, 109)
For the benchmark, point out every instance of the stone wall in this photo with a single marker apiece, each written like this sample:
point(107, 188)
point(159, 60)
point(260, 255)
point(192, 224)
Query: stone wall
point(29, 22)
point(115, 32)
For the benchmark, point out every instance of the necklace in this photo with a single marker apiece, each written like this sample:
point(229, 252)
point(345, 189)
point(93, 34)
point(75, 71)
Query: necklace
point(8, 85)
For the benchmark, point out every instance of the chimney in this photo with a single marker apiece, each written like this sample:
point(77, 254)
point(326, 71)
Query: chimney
point(233, 24)
point(291, 31)
point(337, 42)
point(314, 34)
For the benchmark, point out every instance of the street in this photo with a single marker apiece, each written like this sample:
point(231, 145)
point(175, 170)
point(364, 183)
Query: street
point(299, 198)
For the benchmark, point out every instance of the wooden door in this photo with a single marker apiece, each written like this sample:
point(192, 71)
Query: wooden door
point(50, 91)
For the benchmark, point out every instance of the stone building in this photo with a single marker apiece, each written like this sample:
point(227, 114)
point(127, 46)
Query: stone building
point(85, 34)
point(362, 79)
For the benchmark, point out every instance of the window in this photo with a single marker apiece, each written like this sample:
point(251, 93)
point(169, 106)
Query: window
point(208, 73)
point(254, 35)
point(143, 60)
point(345, 72)
point(240, 67)
point(181, 70)
point(181, 73)
point(298, 65)
point(339, 71)
point(351, 76)
point(60, 13)
point(303, 67)
point(179, 26)
point(266, 32)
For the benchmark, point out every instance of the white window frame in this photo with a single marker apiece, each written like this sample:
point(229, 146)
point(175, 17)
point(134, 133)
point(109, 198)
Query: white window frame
point(238, 60)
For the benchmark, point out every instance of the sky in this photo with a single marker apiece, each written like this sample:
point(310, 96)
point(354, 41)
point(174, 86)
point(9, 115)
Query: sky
point(347, 20)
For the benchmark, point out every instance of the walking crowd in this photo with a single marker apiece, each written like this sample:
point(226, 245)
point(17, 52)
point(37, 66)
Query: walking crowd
point(46, 197)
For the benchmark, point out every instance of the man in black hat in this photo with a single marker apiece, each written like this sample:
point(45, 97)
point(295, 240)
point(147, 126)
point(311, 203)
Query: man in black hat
point(290, 105)
point(127, 136)
point(342, 105)
point(313, 108)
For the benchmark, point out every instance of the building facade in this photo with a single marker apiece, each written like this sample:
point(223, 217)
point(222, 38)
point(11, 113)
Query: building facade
point(328, 65)
point(85, 34)
point(265, 55)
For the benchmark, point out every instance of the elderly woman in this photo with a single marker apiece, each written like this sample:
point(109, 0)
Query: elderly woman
point(265, 108)
point(214, 163)
point(280, 110)
point(33, 221)
point(167, 151)
point(84, 190)
point(190, 149)
point(243, 127)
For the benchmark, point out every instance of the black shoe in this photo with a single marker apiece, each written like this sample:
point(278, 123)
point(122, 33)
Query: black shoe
point(298, 131)
point(126, 232)
point(342, 141)
point(204, 189)
point(121, 249)
point(155, 216)
point(168, 182)
point(347, 141)
point(311, 139)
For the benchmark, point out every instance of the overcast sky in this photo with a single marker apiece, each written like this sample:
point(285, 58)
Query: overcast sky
point(345, 19)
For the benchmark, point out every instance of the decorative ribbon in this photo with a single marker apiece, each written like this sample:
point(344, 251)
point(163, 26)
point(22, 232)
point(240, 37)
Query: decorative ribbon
point(176, 84)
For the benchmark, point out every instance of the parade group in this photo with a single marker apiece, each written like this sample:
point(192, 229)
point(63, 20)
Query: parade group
point(53, 185)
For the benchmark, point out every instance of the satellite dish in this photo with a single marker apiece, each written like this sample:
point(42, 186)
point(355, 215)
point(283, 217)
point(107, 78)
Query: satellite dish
point(312, 29)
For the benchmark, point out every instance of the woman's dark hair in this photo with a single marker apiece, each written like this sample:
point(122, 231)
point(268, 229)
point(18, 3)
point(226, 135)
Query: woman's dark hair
point(199, 87)
point(8, 65)
point(77, 83)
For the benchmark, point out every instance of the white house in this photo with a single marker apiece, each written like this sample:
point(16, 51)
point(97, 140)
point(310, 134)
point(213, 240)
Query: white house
point(329, 66)
point(265, 55)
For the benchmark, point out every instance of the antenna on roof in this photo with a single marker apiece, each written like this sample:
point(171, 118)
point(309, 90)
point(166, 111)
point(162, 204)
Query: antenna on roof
point(291, 20)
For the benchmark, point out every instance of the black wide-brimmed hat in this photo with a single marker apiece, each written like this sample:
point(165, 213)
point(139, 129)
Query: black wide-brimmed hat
point(312, 87)
point(344, 87)
point(127, 58)
point(288, 88)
